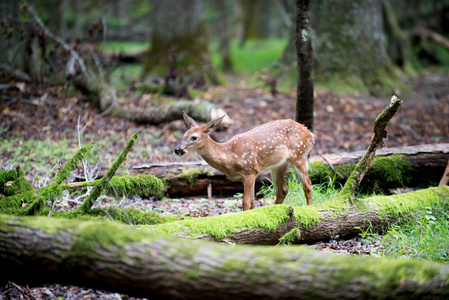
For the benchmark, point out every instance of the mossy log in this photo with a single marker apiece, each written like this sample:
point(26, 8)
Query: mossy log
point(105, 255)
point(268, 224)
point(105, 97)
point(411, 166)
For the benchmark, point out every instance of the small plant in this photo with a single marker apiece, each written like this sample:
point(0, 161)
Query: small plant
point(295, 197)
point(423, 236)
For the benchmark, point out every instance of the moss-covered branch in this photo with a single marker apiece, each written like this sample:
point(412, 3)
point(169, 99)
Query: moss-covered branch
point(380, 133)
point(53, 190)
point(140, 185)
point(155, 266)
point(105, 181)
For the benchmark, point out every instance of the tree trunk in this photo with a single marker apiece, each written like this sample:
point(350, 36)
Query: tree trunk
point(223, 35)
point(411, 166)
point(304, 91)
point(350, 44)
point(268, 224)
point(179, 40)
point(118, 258)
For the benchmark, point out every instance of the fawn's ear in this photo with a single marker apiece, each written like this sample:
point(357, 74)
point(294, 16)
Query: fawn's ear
point(212, 125)
point(188, 121)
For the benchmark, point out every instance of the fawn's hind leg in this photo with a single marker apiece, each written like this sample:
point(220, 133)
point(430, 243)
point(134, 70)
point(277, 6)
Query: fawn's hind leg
point(300, 168)
point(278, 177)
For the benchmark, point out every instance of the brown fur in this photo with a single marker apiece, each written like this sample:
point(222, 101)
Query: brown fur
point(271, 146)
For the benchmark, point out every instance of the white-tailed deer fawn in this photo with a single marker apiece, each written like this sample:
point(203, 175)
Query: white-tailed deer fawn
point(271, 146)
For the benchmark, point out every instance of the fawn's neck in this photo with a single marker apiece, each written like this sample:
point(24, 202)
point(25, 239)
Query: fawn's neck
point(214, 155)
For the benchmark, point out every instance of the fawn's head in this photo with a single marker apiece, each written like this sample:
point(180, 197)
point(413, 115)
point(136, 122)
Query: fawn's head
point(196, 135)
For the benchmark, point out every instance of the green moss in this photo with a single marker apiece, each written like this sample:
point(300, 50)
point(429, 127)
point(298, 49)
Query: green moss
point(13, 182)
point(267, 218)
point(379, 274)
point(53, 190)
point(15, 191)
point(135, 216)
point(402, 204)
point(392, 168)
point(195, 272)
point(190, 175)
point(103, 184)
point(290, 237)
point(142, 185)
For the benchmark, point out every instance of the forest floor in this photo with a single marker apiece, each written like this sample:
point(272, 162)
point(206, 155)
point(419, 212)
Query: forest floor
point(51, 115)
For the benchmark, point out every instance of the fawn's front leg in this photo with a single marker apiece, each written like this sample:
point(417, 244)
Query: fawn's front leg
point(248, 194)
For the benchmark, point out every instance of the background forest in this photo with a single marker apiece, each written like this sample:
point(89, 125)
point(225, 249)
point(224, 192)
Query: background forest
point(75, 72)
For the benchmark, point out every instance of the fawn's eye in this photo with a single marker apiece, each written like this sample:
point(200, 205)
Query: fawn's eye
point(193, 138)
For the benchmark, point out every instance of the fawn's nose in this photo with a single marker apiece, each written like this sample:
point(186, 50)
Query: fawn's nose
point(179, 151)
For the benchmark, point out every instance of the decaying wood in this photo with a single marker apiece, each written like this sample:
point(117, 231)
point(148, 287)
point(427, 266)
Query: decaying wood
point(428, 160)
point(105, 97)
point(104, 255)
point(369, 212)
point(445, 178)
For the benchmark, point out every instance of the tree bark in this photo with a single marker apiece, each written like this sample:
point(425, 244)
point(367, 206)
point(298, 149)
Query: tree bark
point(179, 40)
point(413, 166)
point(445, 178)
point(304, 91)
point(266, 225)
point(118, 258)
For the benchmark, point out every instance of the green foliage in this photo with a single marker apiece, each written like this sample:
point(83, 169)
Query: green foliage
point(35, 152)
point(295, 197)
point(110, 47)
point(254, 56)
point(421, 236)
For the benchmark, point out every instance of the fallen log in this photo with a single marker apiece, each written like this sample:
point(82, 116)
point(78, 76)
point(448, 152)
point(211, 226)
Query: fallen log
point(410, 166)
point(105, 255)
point(268, 224)
point(104, 96)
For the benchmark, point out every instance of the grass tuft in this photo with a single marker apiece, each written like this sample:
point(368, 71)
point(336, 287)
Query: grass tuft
point(422, 236)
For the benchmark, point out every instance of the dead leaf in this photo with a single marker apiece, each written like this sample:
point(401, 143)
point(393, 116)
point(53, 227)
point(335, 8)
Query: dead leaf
point(21, 86)
point(90, 122)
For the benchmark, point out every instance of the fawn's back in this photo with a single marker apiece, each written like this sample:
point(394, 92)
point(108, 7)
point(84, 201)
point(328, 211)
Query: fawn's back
point(270, 145)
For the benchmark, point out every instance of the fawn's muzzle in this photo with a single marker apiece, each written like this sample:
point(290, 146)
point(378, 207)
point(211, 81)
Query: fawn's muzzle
point(179, 151)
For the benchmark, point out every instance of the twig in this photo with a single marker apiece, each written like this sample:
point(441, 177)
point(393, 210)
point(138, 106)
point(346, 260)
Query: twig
point(101, 185)
point(66, 46)
point(330, 165)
